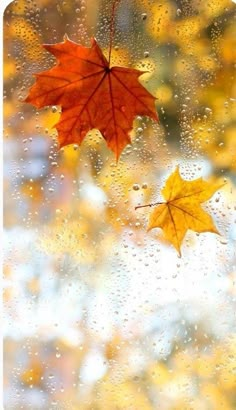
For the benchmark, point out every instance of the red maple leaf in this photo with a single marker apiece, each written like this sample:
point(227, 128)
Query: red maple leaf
point(91, 95)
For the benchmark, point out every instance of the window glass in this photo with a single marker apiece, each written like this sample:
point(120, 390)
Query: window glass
point(99, 312)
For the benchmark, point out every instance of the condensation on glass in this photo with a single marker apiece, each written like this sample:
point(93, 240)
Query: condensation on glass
point(99, 313)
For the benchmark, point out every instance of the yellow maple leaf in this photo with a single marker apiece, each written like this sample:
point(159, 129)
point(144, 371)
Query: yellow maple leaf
point(182, 210)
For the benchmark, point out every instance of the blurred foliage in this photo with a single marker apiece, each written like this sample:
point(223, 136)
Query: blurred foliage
point(100, 314)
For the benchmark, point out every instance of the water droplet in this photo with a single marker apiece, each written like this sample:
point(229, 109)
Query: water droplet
point(136, 187)
point(224, 241)
point(208, 110)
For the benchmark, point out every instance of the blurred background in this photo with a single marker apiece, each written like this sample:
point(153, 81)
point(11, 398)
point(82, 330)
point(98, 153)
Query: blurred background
point(100, 314)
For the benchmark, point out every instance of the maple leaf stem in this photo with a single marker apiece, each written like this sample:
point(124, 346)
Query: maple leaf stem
point(112, 27)
point(148, 205)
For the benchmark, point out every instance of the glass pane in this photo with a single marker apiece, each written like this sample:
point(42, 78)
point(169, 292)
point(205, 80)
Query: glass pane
point(99, 312)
